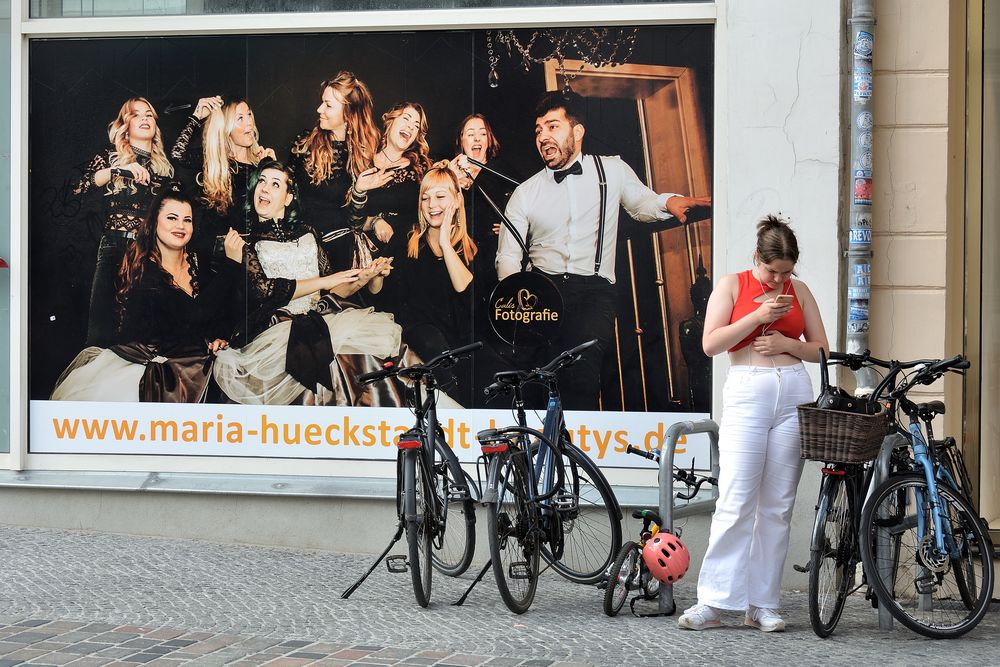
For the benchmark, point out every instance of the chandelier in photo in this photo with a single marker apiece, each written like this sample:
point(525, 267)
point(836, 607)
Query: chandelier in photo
point(597, 47)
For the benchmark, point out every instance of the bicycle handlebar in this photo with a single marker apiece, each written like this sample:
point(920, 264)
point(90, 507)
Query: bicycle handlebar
point(652, 456)
point(566, 358)
point(419, 370)
point(693, 481)
point(928, 370)
point(507, 380)
point(388, 369)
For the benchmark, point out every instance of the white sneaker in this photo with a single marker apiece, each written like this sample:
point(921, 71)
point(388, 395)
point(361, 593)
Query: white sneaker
point(764, 619)
point(700, 617)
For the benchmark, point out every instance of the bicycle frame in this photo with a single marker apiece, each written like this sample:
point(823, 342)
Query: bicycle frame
point(546, 470)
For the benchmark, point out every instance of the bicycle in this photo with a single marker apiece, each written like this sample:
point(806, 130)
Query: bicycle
point(434, 496)
point(925, 548)
point(920, 508)
point(629, 571)
point(545, 498)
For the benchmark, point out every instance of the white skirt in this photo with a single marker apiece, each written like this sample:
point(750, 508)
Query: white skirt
point(255, 374)
point(98, 374)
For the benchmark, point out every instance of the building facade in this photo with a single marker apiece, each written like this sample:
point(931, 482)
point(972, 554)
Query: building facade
point(777, 138)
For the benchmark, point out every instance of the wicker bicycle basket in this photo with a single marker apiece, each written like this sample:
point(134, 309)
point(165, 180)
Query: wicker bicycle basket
point(835, 436)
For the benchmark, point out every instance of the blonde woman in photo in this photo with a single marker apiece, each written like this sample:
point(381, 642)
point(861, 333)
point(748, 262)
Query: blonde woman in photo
point(129, 174)
point(222, 142)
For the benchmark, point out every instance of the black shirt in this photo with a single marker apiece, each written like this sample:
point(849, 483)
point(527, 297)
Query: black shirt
point(424, 295)
point(158, 312)
point(324, 204)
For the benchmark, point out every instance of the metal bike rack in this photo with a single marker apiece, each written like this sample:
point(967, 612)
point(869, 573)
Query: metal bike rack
point(668, 494)
point(879, 475)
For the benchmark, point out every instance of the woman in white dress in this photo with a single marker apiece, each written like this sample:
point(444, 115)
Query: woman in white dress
point(300, 341)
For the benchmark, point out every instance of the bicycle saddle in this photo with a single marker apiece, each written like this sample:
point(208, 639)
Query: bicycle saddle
point(642, 514)
point(929, 410)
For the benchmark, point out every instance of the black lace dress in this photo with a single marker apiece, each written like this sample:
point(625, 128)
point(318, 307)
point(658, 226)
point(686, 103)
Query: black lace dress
point(306, 349)
point(125, 204)
point(324, 204)
point(165, 333)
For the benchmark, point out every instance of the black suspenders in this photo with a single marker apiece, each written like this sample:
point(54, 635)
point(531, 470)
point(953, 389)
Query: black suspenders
point(602, 181)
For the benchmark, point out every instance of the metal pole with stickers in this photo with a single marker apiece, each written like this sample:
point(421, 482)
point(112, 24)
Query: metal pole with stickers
point(859, 254)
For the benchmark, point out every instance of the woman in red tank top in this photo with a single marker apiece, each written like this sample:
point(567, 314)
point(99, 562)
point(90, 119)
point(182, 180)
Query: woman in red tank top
point(769, 324)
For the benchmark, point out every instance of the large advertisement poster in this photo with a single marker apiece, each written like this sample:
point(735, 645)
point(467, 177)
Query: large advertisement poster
point(225, 231)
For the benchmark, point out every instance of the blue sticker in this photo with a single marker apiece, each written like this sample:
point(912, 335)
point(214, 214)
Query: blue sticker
point(858, 293)
point(863, 43)
point(865, 139)
point(861, 237)
point(864, 120)
point(862, 269)
point(865, 160)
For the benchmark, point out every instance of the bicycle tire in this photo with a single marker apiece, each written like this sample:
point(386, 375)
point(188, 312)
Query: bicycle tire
point(922, 593)
point(418, 517)
point(513, 532)
point(626, 575)
point(832, 561)
point(455, 542)
point(590, 528)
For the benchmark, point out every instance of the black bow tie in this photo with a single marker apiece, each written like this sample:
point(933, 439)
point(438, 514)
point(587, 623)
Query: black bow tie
point(575, 168)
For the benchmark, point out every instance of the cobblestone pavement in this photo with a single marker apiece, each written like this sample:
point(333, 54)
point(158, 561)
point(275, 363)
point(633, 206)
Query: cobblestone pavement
point(83, 599)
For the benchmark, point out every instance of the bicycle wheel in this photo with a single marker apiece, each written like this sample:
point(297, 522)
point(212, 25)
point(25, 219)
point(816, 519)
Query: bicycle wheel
point(588, 528)
point(513, 532)
point(419, 519)
point(937, 595)
point(455, 542)
point(832, 561)
point(625, 576)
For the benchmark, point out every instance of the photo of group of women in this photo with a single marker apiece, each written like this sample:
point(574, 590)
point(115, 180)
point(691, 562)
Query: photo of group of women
point(259, 219)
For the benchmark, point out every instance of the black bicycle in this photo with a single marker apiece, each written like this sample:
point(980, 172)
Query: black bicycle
point(545, 498)
point(434, 496)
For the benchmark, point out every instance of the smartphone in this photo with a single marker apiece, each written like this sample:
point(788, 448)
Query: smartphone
point(784, 299)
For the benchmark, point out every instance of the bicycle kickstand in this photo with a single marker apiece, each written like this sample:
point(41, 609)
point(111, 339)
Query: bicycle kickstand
point(460, 601)
point(399, 533)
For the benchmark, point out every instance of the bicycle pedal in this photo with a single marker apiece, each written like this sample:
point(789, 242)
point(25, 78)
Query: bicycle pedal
point(925, 585)
point(397, 564)
point(565, 502)
point(519, 570)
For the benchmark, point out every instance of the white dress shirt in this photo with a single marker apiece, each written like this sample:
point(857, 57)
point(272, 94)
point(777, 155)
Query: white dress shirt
point(558, 221)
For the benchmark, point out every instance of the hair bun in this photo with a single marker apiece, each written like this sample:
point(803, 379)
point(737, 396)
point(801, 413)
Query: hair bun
point(771, 222)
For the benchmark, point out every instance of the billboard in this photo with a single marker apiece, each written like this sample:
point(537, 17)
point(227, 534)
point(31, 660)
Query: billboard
point(241, 331)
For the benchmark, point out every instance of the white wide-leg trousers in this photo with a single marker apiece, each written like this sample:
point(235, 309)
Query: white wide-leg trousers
point(759, 473)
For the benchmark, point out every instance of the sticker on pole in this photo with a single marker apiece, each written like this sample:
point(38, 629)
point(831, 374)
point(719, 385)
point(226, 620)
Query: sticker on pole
point(863, 45)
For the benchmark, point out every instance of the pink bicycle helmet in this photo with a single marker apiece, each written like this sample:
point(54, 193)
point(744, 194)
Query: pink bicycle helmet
point(666, 557)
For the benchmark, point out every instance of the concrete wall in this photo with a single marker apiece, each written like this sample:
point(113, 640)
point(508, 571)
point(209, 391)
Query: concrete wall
point(782, 118)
